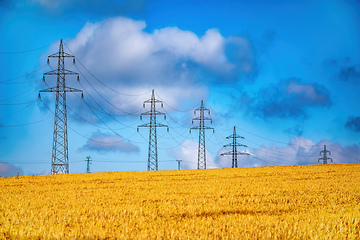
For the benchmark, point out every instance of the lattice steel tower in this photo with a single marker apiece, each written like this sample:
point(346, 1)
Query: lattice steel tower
point(153, 155)
point(88, 160)
point(60, 159)
point(325, 157)
point(201, 148)
point(234, 153)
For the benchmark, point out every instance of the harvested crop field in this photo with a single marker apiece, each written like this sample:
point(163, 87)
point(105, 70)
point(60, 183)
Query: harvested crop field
point(291, 202)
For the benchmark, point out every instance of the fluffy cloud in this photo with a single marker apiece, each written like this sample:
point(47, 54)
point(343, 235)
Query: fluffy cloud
point(353, 123)
point(120, 49)
point(102, 143)
point(287, 99)
point(177, 63)
point(7, 170)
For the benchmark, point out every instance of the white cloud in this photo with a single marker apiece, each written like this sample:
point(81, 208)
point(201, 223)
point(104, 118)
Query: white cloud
point(188, 153)
point(177, 63)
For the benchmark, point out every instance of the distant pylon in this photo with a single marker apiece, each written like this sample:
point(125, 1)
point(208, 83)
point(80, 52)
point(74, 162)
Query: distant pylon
point(179, 162)
point(201, 148)
point(325, 157)
point(88, 160)
point(60, 159)
point(152, 155)
point(234, 146)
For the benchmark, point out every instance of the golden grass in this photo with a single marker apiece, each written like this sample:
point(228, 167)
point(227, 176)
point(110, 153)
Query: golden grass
point(293, 202)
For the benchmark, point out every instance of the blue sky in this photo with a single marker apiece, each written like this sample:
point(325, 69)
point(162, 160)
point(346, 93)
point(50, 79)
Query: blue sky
point(285, 73)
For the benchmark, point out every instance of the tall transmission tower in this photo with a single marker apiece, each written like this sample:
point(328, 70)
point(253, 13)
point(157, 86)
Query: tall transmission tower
point(60, 159)
point(88, 160)
point(325, 157)
point(153, 154)
point(234, 153)
point(201, 148)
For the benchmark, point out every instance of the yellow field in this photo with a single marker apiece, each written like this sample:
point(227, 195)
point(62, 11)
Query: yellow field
point(294, 202)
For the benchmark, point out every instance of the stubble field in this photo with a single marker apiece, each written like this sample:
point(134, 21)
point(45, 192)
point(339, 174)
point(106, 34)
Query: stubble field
point(292, 202)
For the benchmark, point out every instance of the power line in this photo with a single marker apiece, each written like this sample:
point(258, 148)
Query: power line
point(333, 149)
point(93, 140)
point(20, 93)
point(26, 51)
point(24, 124)
point(175, 108)
point(112, 89)
point(18, 110)
point(104, 97)
point(13, 104)
point(12, 79)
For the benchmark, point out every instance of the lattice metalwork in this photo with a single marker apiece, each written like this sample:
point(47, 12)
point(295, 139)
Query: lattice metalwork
point(152, 125)
point(60, 158)
point(201, 148)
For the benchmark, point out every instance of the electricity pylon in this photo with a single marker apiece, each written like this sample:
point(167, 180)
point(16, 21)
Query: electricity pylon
point(325, 157)
point(234, 153)
point(60, 159)
point(88, 160)
point(201, 148)
point(179, 164)
point(152, 155)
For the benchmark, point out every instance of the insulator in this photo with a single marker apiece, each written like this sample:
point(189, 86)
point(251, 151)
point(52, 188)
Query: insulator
point(167, 129)
point(190, 131)
point(43, 78)
point(140, 117)
point(213, 130)
point(39, 97)
point(164, 117)
point(162, 105)
point(78, 78)
point(82, 96)
point(143, 105)
point(48, 61)
point(137, 129)
point(74, 61)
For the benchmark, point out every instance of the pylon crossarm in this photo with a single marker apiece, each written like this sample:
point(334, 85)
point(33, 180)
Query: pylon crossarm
point(227, 153)
point(63, 54)
point(65, 72)
point(232, 144)
point(243, 153)
point(152, 101)
point(152, 113)
point(204, 118)
point(236, 136)
point(144, 125)
point(201, 108)
point(56, 89)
